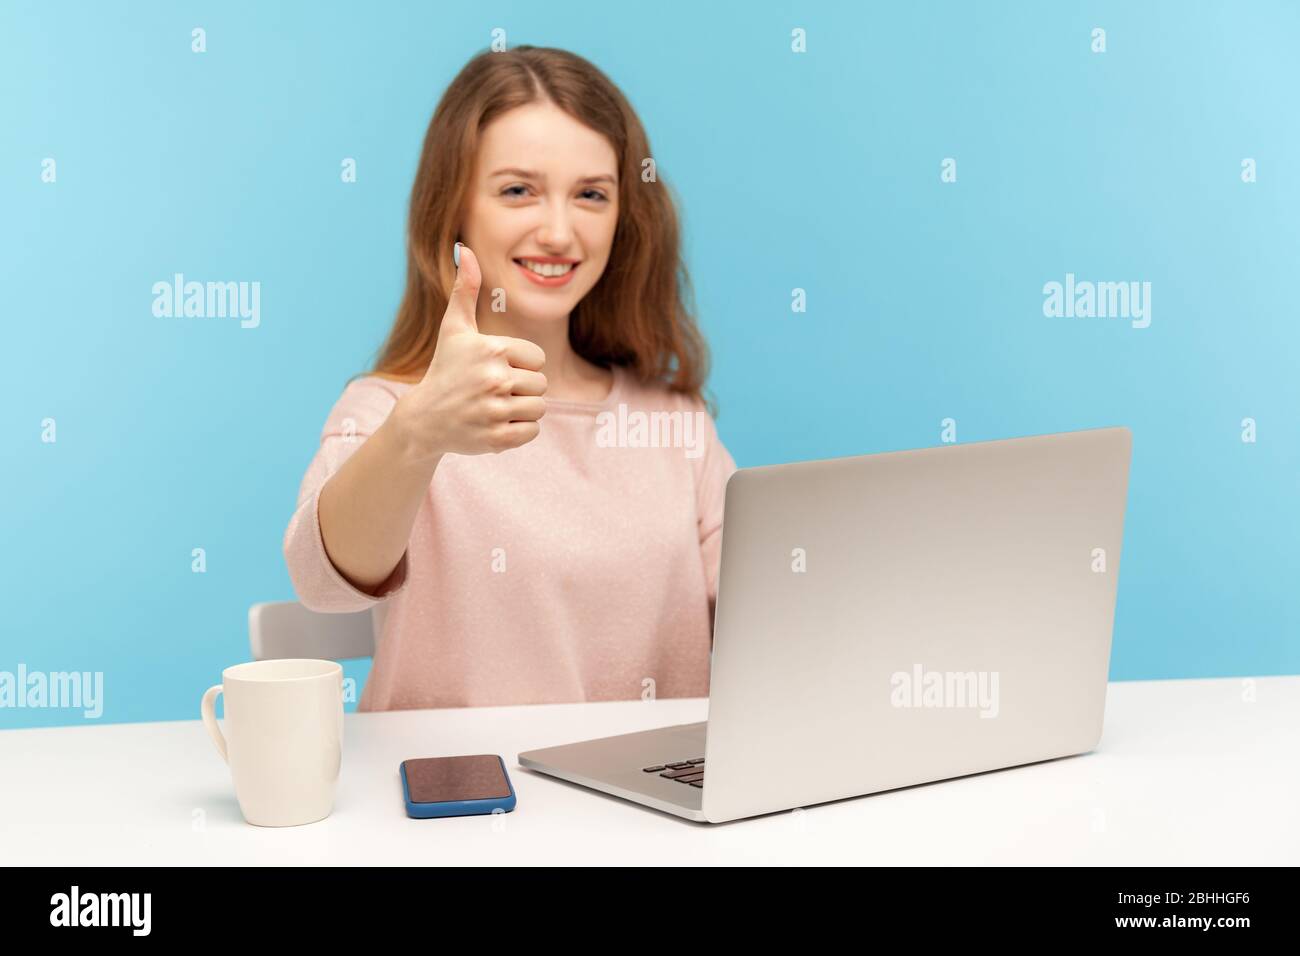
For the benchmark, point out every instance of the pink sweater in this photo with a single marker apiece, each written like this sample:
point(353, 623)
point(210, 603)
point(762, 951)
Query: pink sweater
point(580, 566)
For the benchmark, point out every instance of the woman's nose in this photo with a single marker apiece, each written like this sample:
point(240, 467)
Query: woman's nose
point(555, 229)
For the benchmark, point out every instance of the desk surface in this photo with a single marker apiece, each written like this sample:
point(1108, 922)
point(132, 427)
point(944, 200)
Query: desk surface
point(1188, 772)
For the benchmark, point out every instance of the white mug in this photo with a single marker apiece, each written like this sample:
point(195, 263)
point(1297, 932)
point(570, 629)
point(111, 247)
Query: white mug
point(283, 739)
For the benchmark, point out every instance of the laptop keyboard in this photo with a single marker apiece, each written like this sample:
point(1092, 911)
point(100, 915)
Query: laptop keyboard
point(684, 771)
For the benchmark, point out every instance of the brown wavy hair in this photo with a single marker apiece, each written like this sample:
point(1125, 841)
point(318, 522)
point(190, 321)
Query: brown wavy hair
point(637, 315)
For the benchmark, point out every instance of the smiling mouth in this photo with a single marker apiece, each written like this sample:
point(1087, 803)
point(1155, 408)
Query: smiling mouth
point(547, 270)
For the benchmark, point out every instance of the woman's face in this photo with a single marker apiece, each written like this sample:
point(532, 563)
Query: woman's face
point(544, 192)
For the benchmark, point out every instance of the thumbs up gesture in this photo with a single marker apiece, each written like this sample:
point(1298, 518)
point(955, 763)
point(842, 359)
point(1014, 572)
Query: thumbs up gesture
point(481, 393)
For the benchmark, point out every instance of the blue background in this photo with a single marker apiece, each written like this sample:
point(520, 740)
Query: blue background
point(818, 171)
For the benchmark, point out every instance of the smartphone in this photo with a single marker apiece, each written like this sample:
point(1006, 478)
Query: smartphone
point(456, 786)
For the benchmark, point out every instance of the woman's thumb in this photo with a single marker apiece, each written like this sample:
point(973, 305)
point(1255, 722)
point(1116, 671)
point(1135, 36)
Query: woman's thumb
point(463, 304)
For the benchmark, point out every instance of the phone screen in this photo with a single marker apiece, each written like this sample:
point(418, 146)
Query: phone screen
point(444, 779)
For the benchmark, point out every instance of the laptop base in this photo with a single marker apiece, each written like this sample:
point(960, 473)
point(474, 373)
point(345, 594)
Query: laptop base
point(615, 765)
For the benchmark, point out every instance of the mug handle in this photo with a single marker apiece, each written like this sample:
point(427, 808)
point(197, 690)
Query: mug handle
point(208, 710)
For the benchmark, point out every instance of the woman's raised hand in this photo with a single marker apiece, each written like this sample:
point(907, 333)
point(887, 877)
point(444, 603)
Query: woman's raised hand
point(481, 393)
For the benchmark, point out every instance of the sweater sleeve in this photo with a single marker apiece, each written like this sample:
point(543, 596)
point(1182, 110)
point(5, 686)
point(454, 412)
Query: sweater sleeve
point(360, 410)
point(714, 466)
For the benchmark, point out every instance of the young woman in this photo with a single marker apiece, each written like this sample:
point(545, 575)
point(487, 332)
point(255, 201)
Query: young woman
point(512, 559)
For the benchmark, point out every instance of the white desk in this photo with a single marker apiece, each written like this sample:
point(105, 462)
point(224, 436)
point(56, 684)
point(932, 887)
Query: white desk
point(1187, 773)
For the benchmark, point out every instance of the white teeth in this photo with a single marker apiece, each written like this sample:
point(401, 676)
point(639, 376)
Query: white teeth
point(547, 268)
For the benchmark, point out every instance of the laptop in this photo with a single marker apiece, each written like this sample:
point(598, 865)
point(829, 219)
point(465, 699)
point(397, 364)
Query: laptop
point(890, 620)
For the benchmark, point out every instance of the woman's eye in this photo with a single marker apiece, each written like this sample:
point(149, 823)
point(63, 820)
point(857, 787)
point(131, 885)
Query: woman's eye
point(586, 193)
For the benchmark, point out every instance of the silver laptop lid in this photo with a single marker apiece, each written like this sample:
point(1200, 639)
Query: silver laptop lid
point(892, 619)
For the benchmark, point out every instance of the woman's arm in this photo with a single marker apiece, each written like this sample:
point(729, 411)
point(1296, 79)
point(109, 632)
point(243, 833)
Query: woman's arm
point(713, 471)
point(481, 394)
point(368, 506)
